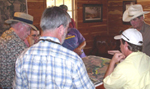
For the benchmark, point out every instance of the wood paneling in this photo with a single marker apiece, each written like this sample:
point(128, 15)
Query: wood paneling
point(90, 30)
point(112, 17)
point(36, 8)
point(146, 6)
point(36, 0)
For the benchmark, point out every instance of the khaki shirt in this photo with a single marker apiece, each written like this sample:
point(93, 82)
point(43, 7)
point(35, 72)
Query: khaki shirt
point(146, 38)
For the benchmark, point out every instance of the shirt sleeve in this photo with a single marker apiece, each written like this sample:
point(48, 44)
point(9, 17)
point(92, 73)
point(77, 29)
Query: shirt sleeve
point(80, 77)
point(116, 79)
point(72, 24)
point(80, 37)
point(19, 82)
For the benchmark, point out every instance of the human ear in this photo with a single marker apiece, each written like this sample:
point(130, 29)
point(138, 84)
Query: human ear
point(126, 45)
point(61, 30)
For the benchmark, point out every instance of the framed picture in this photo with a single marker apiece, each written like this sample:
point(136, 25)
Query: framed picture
point(92, 13)
point(126, 4)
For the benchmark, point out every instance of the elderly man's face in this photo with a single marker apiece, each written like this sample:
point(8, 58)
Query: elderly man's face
point(137, 23)
point(24, 31)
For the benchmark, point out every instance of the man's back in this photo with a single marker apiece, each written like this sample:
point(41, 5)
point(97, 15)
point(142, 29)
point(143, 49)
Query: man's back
point(132, 73)
point(51, 66)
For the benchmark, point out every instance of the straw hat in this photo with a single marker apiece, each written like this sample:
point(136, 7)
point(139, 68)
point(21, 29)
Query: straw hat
point(132, 12)
point(22, 17)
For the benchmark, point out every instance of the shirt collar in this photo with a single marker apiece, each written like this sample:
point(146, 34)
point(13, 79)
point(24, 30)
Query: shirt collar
point(51, 38)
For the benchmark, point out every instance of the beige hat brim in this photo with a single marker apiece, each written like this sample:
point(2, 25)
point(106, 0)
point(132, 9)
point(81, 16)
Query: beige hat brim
point(126, 17)
point(9, 21)
point(117, 37)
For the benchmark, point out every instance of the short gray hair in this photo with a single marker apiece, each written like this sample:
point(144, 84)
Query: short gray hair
point(53, 17)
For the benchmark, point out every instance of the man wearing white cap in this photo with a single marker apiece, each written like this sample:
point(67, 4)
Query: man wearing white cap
point(12, 44)
point(135, 15)
point(133, 66)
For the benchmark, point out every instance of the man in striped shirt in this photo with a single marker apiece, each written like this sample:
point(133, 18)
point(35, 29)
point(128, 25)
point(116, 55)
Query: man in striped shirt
point(47, 64)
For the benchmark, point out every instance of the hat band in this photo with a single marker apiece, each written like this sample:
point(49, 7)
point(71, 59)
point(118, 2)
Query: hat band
point(23, 20)
point(130, 15)
point(126, 37)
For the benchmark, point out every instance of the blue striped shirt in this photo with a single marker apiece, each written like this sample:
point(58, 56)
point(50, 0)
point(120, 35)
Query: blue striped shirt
point(47, 65)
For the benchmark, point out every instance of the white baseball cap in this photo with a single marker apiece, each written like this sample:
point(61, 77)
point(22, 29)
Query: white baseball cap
point(132, 36)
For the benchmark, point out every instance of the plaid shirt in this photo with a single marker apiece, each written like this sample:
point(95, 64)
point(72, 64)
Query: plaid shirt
point(10, 48)
point(47, 65)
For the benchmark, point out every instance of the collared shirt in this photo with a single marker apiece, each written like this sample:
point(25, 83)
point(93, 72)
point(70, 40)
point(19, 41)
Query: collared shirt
point(10, 48)
point(146, 41)
point(132, 73)
point(48, 65)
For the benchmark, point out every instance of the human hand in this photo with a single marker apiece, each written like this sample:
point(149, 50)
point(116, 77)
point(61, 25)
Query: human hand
point(112, 52)
point(31, 41)
point(118, 57)
point(78, 51)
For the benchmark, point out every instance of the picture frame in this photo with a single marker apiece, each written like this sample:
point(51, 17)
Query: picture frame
point(126, 4)
point(92, 13)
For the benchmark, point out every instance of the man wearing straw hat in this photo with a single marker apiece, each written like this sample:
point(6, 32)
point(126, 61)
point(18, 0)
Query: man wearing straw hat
point(130, 68)
point(135, 15)
point(12, 44)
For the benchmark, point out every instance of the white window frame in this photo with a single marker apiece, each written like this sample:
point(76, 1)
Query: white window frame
point(72, 9)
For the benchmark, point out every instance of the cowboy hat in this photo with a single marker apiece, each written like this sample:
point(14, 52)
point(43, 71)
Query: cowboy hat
point(132, 12)
point(22, 17)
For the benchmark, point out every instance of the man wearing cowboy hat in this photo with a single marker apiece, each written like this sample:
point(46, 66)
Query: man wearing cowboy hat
point(12, 44)
point(130, 68)
point(135, 15)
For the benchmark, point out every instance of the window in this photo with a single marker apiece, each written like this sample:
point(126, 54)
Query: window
point(68, 3)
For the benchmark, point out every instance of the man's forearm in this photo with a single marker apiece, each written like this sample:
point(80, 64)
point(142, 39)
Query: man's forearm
point(110, 68)
point(82, 45)
point(78, 50)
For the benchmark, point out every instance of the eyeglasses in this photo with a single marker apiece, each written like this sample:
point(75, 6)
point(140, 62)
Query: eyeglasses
point(35, 35)
point(125, 37)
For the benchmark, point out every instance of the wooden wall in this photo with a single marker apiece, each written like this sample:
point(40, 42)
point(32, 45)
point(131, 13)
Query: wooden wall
point(146, 7)
point(91, 29)
point(112, 18)
point(115, 12)
point(36, 8)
